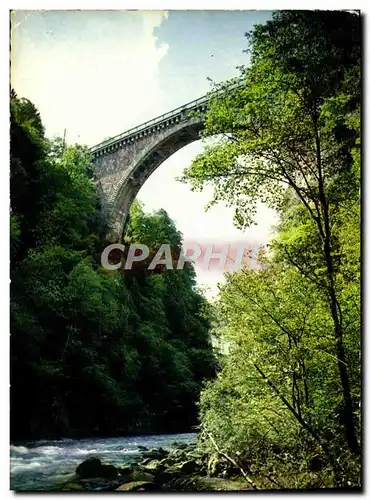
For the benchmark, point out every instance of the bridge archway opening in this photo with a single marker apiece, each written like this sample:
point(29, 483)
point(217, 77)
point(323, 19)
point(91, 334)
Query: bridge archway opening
point(162, 188)
point(156, 183)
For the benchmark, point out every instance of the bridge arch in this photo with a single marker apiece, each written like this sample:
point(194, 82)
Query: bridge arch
point(123, 164)
point(146, 164)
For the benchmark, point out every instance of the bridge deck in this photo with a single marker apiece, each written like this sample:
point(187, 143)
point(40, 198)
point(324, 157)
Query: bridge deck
point(190, 106)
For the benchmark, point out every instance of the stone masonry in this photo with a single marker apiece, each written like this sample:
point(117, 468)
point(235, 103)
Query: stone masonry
point(123, 163)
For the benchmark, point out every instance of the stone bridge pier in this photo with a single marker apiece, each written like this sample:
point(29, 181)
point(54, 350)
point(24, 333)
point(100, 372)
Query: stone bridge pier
point(123, 163)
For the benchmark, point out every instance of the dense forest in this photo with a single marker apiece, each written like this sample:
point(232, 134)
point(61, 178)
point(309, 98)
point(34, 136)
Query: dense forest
point(287, 403)
point(93, 351)
point(101, 352)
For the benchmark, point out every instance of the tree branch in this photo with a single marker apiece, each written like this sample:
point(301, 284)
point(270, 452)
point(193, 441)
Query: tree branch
point(230, 459)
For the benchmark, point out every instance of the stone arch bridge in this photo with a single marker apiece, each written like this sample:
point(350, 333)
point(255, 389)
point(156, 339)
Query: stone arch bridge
point(123, 163)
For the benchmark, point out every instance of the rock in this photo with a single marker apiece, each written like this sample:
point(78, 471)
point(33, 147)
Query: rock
point(140, 475)
point(157, 453)
point(146, 461)
point(89, 468)
point(189, 467)
point(74, 486)
point(182, 446)
point(142, 448)
point(108, 471)
point(195, 454)
point(153, 466)
point(176, 456)
point(167, 476)
point(93, 468)
point(100, 484)
point(125, 470)
point(63, 479)
point(138, 486)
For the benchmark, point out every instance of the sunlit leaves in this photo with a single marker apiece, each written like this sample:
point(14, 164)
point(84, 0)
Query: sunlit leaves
point(290, 137)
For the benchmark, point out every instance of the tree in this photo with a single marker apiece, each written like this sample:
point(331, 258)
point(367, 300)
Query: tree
point(288, 128)
point(92, 351)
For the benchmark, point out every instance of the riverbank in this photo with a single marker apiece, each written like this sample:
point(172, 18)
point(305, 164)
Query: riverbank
point(181, 468)
point(140, 463)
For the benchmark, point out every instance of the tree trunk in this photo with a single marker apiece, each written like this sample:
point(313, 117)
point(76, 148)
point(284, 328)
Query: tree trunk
point(334, 309)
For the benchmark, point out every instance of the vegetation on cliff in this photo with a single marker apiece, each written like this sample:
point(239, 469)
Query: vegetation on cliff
point(93, 351)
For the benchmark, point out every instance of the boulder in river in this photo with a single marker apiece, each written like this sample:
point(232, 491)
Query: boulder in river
point(100, 484)
point(125, 470)
point(138, 486)
point(146, 461)
point(92, 467)
point(159, 470)
point(183, 446)
point(72, 486)
point(156, 453)
point(153, 466)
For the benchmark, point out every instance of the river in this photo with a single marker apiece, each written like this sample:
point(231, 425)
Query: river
point(38, 465)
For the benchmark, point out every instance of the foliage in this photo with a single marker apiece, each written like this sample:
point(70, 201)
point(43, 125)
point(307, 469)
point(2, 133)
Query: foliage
point(290, 137)
point(92, 352)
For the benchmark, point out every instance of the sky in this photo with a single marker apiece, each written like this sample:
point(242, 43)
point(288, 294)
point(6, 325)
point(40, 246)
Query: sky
point(97, 73)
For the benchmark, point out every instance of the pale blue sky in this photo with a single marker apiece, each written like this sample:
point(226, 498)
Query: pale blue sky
point(202, 44)
point(98, 73)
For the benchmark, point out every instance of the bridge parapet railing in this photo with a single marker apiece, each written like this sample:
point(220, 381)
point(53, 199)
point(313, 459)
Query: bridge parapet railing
point(156, 121)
